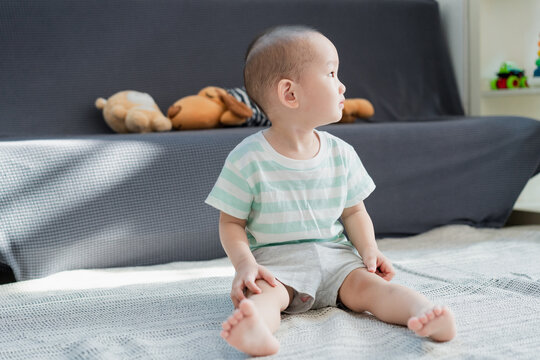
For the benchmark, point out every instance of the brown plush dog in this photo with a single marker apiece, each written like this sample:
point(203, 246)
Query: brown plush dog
point(211, 107)
point(356, 109)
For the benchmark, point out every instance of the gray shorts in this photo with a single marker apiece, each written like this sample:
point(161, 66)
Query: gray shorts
point(315, 271)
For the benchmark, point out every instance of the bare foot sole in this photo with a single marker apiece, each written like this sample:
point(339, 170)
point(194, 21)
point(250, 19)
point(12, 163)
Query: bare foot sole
point(246, 331)
point(436, 323)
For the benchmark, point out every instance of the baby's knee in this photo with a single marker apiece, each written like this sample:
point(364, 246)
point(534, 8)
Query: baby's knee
point(278, 290)
point(361, 283)
point(261, 284)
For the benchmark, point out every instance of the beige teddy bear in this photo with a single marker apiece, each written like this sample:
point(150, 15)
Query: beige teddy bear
point(133, 112)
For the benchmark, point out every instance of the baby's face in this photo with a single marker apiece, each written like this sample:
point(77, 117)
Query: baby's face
point(322, 94)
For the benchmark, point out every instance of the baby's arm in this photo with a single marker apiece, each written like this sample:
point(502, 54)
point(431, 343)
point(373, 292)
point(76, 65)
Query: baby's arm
point(361, 233)
point(235, 243)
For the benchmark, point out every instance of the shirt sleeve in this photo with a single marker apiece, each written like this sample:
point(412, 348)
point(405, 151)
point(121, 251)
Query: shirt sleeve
point(359, 183)
point(231, 193)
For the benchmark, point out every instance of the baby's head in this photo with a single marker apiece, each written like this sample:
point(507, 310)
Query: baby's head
point(287, 52)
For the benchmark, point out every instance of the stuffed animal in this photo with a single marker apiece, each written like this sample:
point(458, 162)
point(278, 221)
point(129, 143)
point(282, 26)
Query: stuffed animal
point(215, 107)
point(356, 109)
point(133, 112)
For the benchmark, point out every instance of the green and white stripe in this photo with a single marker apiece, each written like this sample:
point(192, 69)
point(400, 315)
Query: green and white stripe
point(286, 200)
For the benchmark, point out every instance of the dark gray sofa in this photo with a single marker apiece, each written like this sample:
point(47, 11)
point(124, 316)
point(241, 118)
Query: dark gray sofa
point(75, 195)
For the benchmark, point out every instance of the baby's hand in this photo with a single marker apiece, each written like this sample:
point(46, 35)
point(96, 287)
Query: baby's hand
point(377, 263)
point(244, 280)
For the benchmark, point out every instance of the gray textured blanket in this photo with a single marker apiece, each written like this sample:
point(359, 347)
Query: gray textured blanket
point(490, 278)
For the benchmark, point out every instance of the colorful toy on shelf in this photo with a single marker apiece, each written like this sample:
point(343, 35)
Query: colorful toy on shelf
point(509, 77)
point(534, 81)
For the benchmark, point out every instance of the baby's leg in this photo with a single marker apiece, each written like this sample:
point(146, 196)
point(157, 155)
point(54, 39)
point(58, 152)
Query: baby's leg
point(396, 304)
point(250, 328)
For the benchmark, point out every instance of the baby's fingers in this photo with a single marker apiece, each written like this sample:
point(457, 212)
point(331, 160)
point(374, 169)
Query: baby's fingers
point(235, 302)
point(387, 271)
point(237, 297)
point(371, 264)
point(250, 284)
point(237, 293)
point(268, 277)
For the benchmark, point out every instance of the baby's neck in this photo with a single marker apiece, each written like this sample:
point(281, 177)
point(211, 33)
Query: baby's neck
point(295, 144)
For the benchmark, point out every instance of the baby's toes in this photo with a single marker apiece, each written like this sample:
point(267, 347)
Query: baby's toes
point(414, 324)
point(437, 310)
point(423, 319)
point(445, 310)
point(231, 320)
point(238, 315)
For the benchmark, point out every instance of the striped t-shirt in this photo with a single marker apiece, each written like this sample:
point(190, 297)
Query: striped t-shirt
point(288, 201)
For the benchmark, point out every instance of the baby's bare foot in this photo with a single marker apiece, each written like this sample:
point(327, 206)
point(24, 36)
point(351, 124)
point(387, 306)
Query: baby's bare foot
point(436, 323)
point(246, 331)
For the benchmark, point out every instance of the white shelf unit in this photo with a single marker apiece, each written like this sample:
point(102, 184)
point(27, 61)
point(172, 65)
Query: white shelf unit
point(512, 93)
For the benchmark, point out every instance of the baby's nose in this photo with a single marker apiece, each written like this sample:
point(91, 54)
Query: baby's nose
point(342, 88)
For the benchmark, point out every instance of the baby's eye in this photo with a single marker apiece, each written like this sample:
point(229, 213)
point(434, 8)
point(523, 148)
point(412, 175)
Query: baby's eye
point(332, 74)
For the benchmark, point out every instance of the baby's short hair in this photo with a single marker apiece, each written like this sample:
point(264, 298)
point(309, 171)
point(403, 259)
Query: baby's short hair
point(278, 53)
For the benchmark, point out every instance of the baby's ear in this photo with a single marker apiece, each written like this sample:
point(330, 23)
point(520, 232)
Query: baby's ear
point(286, 93)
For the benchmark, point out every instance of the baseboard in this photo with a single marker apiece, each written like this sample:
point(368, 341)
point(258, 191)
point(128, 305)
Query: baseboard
point(519, 217)
point(6, 275)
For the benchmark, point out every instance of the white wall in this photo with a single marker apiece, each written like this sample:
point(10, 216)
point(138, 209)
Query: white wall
point(508, 31)
point(454, 15)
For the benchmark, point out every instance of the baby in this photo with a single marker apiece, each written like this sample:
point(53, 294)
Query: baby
point(281, 194)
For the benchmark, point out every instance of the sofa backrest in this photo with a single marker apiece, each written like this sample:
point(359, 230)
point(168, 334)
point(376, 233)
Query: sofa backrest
point(58, 56)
